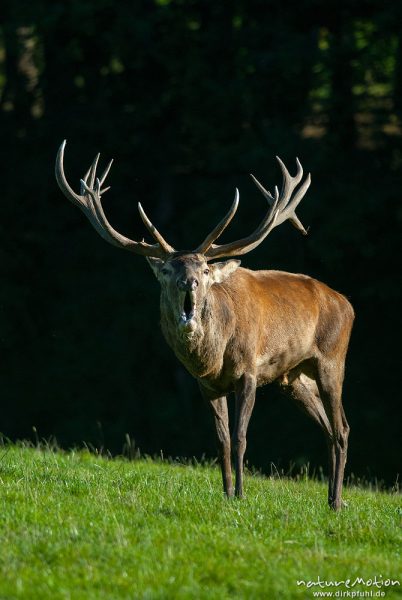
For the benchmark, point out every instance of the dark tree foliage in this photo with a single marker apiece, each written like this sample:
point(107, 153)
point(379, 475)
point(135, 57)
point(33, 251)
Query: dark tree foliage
point(189, 97)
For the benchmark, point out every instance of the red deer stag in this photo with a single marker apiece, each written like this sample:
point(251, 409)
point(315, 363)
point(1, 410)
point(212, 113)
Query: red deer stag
point(235, 329)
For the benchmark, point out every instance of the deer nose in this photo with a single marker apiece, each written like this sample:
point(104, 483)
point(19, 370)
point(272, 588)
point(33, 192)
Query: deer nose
point(187, 285)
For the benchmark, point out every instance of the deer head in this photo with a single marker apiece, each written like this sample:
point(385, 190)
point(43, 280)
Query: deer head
point(186, 277)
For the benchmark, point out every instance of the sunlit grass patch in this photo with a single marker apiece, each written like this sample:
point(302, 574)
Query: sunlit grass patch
point(75, 525)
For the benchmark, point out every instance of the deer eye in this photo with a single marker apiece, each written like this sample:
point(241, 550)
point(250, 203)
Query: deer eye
point(206, 271)
point(165, 271)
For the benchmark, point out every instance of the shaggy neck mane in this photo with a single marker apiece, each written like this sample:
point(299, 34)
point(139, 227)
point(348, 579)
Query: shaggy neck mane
point(201, 351)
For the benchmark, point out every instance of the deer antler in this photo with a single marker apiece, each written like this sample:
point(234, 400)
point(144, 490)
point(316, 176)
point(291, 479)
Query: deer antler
point(215, 233)
point(282, 207)
point(289, 184)
point(89, 201)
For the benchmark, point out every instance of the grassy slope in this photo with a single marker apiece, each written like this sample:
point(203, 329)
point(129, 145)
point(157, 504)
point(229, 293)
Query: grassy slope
point(79, 526)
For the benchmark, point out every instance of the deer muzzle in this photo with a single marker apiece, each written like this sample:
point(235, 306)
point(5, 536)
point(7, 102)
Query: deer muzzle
point(187, 285)
point(188, 311)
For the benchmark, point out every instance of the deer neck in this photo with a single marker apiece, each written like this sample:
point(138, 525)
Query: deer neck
point(188, 337)
point(199, 347)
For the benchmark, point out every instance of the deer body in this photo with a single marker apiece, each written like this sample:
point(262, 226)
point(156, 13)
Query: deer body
point(268, 336)
point(235, 329)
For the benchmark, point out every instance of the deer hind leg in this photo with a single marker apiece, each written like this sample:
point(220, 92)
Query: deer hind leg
point(220, 413)
point(304, 392)
point(329, 381)
point(245, 398)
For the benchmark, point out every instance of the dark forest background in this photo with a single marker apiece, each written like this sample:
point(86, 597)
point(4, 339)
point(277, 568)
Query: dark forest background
point(189, 97)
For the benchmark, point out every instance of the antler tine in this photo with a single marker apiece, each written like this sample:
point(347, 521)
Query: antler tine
point(90, 203)
point(154, 232)
point(105, 173)
point(289, 212)
point(92, 172)
point(289, 182)
point(218, 230)
point(62, 181)
point(85, 178)
point(262, 189)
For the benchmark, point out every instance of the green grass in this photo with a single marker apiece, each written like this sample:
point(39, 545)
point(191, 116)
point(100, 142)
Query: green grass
point(75, 525)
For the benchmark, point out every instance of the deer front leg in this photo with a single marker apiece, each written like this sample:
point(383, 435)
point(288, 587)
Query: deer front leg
point(219, 409)
point(245, 398)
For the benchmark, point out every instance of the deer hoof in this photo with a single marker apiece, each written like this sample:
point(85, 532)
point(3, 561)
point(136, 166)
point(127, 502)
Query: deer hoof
point(338, 505)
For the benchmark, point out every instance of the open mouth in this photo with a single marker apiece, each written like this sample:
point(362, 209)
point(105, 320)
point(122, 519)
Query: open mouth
point(188, 310)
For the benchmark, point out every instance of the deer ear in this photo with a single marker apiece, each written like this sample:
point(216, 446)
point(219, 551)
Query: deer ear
point(156, 265)
point(222, 270)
